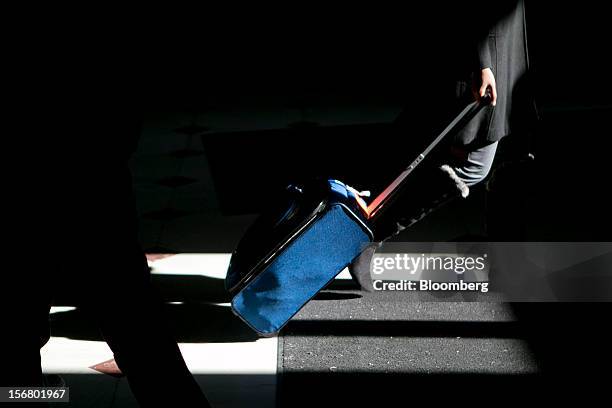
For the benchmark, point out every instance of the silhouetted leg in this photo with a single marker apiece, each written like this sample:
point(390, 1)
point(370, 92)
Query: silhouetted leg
point(129, 313)
point(430, 187)
point(111, 277)
point(24, 333)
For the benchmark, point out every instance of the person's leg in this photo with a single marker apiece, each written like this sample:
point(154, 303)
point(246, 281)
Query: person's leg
point(25, 303)
point(472, 166)
point(27, 331)
point(132, 323)
point(436, 183)
point(430, 187)
point(110, 276)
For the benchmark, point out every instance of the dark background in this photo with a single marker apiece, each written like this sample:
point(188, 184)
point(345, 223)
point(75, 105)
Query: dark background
point(94, 78)
point(358, 52)
point(375, 56)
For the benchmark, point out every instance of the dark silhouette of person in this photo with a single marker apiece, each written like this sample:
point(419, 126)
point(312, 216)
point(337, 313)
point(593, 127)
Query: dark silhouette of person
point(473, 48)
point(84, 223)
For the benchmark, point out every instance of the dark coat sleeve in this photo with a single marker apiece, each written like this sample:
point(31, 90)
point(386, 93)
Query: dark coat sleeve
point(500, 43)
point(483, 53)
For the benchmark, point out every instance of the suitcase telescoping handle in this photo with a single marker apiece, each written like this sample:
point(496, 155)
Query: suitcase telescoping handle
point(467, 114)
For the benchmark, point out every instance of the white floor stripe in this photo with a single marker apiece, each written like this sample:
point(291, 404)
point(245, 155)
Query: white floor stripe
point(211, 265)
point(67, 356)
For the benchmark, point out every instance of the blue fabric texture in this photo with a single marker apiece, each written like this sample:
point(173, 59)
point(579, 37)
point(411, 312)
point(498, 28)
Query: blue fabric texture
point(311, 261)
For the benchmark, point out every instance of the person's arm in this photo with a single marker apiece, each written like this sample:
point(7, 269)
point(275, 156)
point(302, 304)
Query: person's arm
point(484, 78)
point(483, 81)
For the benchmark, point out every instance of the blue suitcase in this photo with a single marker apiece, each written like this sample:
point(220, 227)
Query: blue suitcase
point(294, 250)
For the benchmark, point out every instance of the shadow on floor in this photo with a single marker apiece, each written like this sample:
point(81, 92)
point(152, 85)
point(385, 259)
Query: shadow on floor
point(226, 390)
point(173, 288)
point(191, 288)
point(327, 295)
point(189, 322)
point(569, 338)
point(335, 389)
